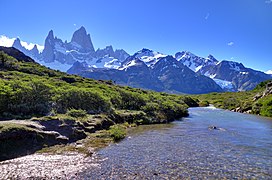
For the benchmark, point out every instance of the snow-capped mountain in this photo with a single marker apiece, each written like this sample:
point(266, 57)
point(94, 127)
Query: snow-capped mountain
point(62, 55)
point(229, 75)
point(236, 76)
point(194, 62)
point(79, 55)
point(148, 69)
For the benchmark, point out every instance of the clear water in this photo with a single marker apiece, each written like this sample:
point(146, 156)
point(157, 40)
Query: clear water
point(240, 149)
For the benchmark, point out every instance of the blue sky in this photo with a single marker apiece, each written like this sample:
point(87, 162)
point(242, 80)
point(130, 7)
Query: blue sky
point(240, 30)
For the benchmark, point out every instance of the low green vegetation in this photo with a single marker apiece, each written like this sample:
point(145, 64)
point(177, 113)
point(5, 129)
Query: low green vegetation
point(77, 113)
point(257, 101)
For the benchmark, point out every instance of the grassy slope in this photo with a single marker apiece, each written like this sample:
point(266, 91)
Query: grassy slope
point(241, 101)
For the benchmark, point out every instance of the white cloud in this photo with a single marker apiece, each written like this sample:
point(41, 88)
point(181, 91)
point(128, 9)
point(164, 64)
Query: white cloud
point(230, 43)
point(27, 46)
point(6, 41)
point(207, 16)
point(268, 1)
point(269, 72)
point(74, 24)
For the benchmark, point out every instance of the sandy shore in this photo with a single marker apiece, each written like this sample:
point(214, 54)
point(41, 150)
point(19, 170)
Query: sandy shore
point(47, 166)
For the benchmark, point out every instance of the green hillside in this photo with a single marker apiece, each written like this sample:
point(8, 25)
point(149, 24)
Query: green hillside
point(257, 101)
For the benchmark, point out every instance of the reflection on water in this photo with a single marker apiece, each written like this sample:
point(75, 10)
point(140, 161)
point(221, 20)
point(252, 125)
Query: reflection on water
point(239, 147)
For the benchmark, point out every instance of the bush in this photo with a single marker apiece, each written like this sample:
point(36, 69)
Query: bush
point(77, 113)
point(266, 108)
point(23, 99)
point(173, 111)
point(117, 132)
point(84, 99)
point(131, 101)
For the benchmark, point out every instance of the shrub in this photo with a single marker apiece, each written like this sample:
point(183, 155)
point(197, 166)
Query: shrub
point(117, 132)
point(266, 108)
point(173, 111)
point(131, 101)
point(25, 99)
point(76, 98)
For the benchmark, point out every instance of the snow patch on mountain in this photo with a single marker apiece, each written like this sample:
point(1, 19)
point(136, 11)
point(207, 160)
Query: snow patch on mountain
point(107, 62)
point(234, 65)
point(129, 64)
point(149, 57)
point(269, 72)
point(224, 84)
point(194, 62)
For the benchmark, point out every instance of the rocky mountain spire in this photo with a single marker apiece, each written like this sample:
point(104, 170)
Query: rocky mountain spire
point(83, 39)
point(17, 44)
point(48, 52)
point(212, 58)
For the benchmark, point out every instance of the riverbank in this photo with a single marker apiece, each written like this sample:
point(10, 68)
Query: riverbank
point(178, 150)
point(257, 101)
point(63, 133)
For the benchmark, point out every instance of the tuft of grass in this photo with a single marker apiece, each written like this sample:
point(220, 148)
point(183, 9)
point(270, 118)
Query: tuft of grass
point(7, 127)
point(77, 113)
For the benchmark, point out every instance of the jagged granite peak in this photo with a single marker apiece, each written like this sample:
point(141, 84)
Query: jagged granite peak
point(212, 58)
point(18, 45)
point(121, 54)
point(108, 50)
point(83, 39)
point(50, 35)
point(17, 42)
point(34, 52)
point(34, 49)
point(48, 55)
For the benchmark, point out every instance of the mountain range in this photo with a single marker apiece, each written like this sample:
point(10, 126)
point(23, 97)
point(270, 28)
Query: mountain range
point(182, 73)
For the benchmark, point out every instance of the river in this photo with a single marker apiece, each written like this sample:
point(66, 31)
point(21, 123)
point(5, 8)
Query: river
point(239, 148)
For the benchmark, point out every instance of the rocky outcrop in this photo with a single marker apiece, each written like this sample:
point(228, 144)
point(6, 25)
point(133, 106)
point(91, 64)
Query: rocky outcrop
point(266, 92)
